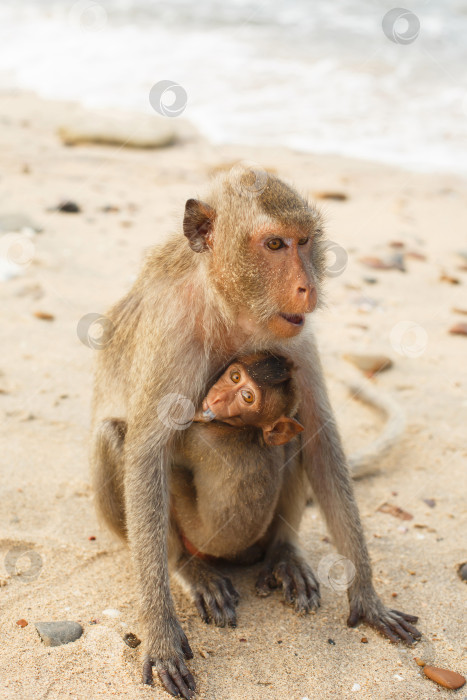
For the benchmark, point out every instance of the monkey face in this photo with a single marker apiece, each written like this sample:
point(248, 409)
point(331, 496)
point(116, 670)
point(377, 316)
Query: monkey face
point(282, 257)
point(235, 398)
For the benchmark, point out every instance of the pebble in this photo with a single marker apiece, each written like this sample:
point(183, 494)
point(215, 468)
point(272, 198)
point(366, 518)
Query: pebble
point(44, 315)
point(131, 640)
point(430, 502)
point(448, 679)
point(462, 571)
point(118, 129)
point(459, 329)
point(68, 206)
point(54, 634)
point(111, 612)
point(370, 364)
point(364, 640)
point(331, 641)
point(336, 196)
point(419, 661)
point(449, 279)
point(22, 623)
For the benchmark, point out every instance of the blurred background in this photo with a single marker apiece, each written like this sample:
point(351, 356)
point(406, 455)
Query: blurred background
point(350, 77)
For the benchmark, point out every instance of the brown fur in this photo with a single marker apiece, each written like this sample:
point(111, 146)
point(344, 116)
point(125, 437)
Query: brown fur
point(194, 307)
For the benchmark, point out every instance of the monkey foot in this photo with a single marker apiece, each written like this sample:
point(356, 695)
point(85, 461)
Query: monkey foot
point(395, 625)
point(285, 567)
point(174, 674)
point(213, 593)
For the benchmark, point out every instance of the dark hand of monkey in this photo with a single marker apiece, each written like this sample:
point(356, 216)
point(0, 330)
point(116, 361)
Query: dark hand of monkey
point(175, 676)
point(213, 593)
point(216, 600)
point(285, 567)
point(393, 624)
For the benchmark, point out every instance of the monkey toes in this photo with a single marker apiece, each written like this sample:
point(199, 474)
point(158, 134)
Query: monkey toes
point(287, 568)
point(393, 624)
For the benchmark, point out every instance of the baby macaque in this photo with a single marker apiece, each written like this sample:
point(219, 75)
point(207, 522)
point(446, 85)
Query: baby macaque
point(227, 477)
point(255, 391)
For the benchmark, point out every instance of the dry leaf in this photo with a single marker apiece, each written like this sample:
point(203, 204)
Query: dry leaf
point(395, 511)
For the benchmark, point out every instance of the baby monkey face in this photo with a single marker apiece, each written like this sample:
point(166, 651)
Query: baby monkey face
point(235, 398)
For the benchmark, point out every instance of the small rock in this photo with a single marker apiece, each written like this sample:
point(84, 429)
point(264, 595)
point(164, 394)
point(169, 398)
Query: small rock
point(242, 639)
point(462, 571)
point(364, 640)
point(449, 279)
point(419, 661)
point(111, 612)
point(370, 364)
point(204, 654)
point(68, 206)
point(448, 679)
point(430, 502)
point(91, 538)
point(124, 129)
point(44, 315)
point(394, 595)
point(396, 244)
point(355, 687)
point(331, 641)
point(415, 255)
point(53, 634)
point(336, 196)
point(392, 262)
point(370, 280)
point(22, 623)
point(459, 329)
point(131, 640)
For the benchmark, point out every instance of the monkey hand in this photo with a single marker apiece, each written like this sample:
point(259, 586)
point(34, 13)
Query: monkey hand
point(169, 662)
point(393, 624)
point(286, 567)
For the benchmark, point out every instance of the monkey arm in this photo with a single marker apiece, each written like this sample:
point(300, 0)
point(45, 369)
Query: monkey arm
point(160, 386)
point(326, 467)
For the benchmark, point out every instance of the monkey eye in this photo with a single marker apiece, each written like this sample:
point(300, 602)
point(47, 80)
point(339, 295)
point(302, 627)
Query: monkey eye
point(303, 241)
point(275, 244)
point(235, 376)
point(248, 396)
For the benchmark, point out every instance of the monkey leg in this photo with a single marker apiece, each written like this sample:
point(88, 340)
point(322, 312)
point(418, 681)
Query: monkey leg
point(285, 565)
point(213, 593)
point(108, 472)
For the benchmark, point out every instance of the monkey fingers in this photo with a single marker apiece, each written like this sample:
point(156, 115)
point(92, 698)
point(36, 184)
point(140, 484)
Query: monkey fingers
point(174, 675)
point(216, 599)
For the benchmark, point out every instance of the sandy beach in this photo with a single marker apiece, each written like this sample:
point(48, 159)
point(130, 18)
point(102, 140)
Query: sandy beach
point(80, 263)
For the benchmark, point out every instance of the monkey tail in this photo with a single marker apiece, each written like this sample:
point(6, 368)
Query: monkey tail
point(363, 461)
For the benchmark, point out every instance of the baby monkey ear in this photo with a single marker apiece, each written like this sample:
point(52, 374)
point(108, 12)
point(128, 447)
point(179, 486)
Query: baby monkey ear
point(282, 431)
point(198, 223)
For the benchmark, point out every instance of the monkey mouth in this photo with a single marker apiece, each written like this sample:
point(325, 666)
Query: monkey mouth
point(294, 319)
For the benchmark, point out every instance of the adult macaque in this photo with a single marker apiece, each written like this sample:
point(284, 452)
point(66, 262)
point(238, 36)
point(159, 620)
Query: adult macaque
point(243, 280)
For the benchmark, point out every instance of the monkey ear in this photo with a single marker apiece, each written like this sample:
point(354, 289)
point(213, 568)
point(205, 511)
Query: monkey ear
point(282, 431)
point(197, 224)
